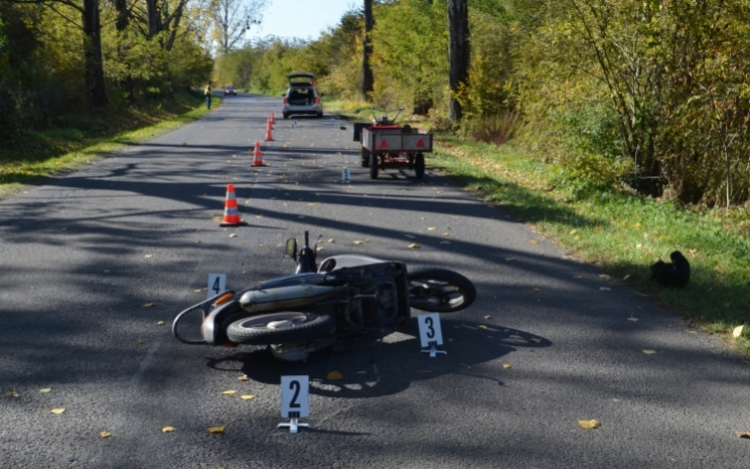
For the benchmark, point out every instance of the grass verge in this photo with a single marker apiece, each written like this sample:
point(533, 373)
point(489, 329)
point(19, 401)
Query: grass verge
point(621, 233)
point(28, 155)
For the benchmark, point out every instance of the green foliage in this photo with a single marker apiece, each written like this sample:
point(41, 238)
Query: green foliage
point(410, 61)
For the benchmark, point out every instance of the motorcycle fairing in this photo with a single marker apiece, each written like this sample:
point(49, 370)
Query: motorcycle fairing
point(344, 261)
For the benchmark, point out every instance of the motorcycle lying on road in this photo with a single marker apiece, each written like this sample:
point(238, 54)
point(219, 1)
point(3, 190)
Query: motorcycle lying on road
point(348, 299)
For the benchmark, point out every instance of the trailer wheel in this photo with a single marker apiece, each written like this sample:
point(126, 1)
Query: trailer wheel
point(364, 155)
point(419, 166)
point(373, 166)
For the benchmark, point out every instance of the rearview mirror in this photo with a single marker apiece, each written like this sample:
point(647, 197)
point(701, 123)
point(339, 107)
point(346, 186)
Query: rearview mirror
point(291, 248)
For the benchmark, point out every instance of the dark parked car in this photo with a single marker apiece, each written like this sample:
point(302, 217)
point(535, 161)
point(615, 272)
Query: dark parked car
point(230, 90)
point(302, 97)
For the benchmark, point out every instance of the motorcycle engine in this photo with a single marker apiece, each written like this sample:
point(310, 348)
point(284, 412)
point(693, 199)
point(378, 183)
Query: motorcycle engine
point(377, 292)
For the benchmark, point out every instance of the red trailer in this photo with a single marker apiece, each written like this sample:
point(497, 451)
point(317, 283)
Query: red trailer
point(385, 144)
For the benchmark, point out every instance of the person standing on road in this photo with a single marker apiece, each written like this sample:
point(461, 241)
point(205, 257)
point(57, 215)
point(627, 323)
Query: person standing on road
point(208, 92)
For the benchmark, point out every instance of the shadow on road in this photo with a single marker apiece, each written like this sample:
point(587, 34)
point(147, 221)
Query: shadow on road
point(390, 365)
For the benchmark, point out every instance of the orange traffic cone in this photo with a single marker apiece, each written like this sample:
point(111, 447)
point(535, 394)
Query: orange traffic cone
point(257, 155)
point(269, 134)
point(273, 119)
point(231, 212)
point(269, 122)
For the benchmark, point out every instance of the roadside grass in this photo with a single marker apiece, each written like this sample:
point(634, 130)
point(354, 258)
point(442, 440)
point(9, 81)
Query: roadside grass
point(30, 154)
point(619, 232)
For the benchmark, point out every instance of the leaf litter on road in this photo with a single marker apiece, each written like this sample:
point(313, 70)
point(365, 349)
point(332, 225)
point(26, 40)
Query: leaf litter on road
point(589, 424)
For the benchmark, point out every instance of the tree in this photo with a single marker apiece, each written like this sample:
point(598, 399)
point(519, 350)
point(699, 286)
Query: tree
point(367, 78)
point(96, 92)
point(458, 53)
point(233, 18)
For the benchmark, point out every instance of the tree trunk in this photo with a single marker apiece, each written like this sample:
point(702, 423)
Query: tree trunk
point(458, 52)
point(123, 15)
point(367, 78)
point(94, 70)
point(154, 17)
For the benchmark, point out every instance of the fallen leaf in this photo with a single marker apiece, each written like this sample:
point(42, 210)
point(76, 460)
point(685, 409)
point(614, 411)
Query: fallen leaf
point(626, 277)
point(217, 430)
point(488, 317)
point(58, 410)
point(537, 290)
point(247, 397)
point(605, 276)
point(334, 376)
point(507, 366)
point(589, 424)
point(742, 434)
point(358, 242)
point(482, 326)
point(105, 434)
point(230, 392)
point(243, 378)
point(431, 228)
point(168, 429)
point(649, 352)
point(538, 341)
point(140, 342)
point(510, 259)
point(148, 305)
point(631, 318)
point(737, 332)
point(12, 394)
point(147, 256)
point(159, 323)
point(233, 235)
point(533, 241)
point(45, 390)
point(331, 241)
point(414, 246)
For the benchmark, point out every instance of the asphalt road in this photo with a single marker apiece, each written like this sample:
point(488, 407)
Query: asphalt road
point(92, 261)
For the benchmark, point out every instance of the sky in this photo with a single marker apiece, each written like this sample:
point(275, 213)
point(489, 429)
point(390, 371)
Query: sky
point(302, 19)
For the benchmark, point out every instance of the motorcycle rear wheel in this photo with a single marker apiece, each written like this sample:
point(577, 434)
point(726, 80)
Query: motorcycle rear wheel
point(440, 290)
point(279, 328)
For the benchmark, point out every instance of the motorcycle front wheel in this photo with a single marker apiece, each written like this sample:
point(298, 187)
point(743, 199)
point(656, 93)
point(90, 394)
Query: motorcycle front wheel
point(279, 328)
point(440, 290)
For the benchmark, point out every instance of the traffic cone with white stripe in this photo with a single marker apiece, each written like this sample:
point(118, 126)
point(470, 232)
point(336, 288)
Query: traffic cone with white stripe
point(269, 122)
point(269, 134)
point(231, 212)
point(257, 155)
point(273, 119)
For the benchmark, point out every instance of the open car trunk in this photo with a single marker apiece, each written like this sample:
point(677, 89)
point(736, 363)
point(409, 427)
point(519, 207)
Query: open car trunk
point(301, 96)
